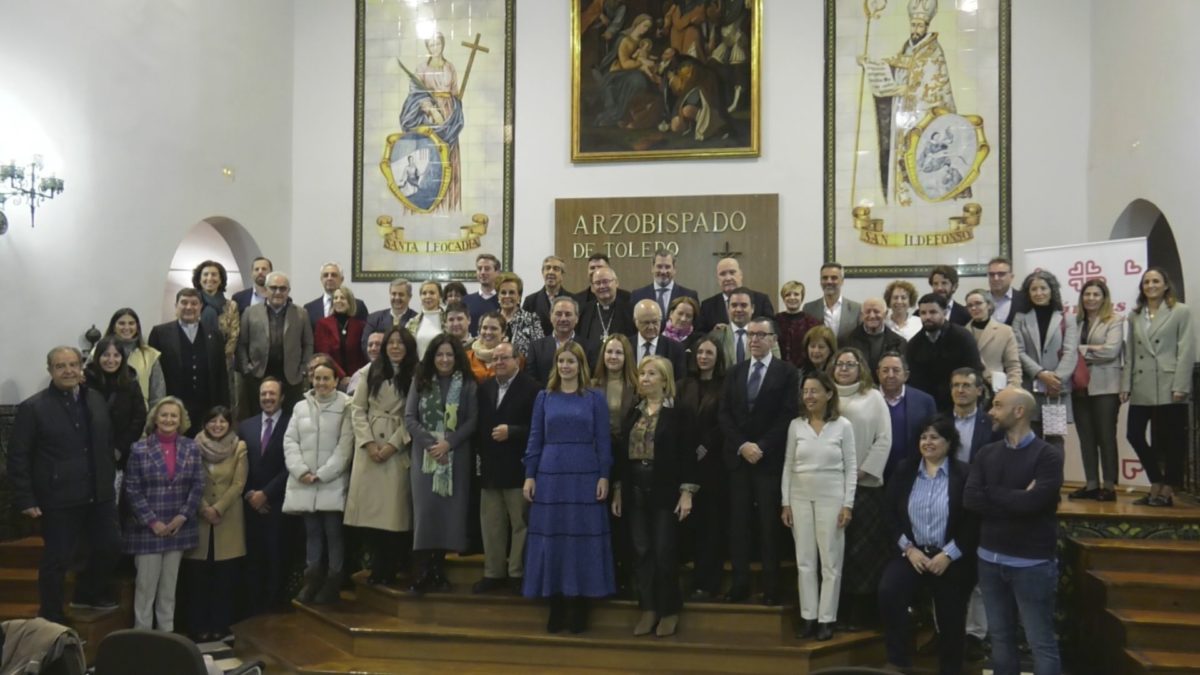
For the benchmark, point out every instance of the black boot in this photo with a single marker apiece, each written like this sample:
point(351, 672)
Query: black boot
point(577, 615)
point(312, 583)
point(330, 591)
point(558, 615)
point(806, 629)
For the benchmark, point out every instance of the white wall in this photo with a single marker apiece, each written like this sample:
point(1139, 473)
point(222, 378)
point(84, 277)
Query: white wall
point(1144, 124)
point(143, 103)
point(1050, 72)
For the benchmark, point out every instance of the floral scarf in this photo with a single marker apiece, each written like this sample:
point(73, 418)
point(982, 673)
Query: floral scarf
point(439, 421)
point(677, 334)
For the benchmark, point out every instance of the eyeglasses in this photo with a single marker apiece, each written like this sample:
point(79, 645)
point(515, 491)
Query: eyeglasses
point(755, 335)
point(846, 365)
point(277, 289)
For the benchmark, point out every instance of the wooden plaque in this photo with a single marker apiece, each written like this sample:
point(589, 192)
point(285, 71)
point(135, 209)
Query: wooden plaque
point(699, 230)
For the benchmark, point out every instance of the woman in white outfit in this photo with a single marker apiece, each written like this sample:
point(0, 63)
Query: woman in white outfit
point(820, 472)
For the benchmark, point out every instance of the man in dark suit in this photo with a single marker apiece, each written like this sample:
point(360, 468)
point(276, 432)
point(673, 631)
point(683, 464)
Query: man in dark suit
point(397, 314)
point(256, 294)
point(872, 337)
point(943, 280)
point(909, 408)
point(505, 411)
point(539, 302)
point(664, 290)
point(586, 297)
point(485, 300)
point(760, 399)
point(539, 363)
point(839, 314)
point(610, 313)
point(265, 483)
point(276, 341)
point(331, 280)
point(714, 311)
point(1008, 301)
point(650, 342)
point(939, 349)
point(61, 470)
point(193, 359)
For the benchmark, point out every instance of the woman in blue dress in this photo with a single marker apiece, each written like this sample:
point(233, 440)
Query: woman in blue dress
point(568, 549)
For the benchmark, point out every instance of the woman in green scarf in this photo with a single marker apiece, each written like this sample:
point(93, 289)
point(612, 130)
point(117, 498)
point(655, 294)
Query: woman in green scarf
point(440, 415)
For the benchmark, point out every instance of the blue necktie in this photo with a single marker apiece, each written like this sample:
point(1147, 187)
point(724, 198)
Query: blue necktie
point(662, 298)
point(755, 383)
point(741, 345)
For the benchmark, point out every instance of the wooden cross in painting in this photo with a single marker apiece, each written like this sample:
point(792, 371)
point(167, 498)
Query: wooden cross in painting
point(474, 47)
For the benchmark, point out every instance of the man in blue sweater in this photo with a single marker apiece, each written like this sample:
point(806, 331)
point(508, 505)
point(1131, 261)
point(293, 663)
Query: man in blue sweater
point(1014, 485)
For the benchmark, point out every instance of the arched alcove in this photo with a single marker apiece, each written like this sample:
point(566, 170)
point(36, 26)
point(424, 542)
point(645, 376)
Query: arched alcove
point(214, 238)
point(1143, 219)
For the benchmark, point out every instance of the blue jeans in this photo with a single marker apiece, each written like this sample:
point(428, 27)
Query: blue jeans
point(1030, 591)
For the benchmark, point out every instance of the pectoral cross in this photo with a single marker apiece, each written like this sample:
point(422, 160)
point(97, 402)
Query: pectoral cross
point(474, 47)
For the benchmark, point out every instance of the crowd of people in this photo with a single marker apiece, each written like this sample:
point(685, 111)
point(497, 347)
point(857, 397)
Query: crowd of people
point(595, 441)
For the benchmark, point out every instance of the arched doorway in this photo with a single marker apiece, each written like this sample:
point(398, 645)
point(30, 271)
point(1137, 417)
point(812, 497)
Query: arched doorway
point(214, 238)
point(1143, 219)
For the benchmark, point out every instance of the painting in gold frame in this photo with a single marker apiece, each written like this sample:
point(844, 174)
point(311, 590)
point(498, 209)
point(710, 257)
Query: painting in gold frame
point(917, 135)
point(674, 79)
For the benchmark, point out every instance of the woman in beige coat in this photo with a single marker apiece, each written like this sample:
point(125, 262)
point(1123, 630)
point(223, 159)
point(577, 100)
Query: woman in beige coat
point(211, 568)
point(380, 499)
point(997, 343)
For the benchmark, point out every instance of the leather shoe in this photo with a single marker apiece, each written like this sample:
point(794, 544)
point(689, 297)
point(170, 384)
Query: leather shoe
point(1160, 501)
point(1084, 493)
point(1105, 495)
point(824, 632)
point(701, 595)
point(645, 624)
point(806, 629)
point(1144, 500)
point(973, 649)
point(771, 599)
point(515, 585)
point(667, 625)
point(486, 585)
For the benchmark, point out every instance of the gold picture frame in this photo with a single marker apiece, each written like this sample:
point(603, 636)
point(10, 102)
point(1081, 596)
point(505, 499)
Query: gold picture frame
point(695, 94)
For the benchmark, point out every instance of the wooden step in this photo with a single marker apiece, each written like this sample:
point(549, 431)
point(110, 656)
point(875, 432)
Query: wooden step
point(285, 642)
point(1140, 555)
point(19, 585)
point(17, 610)
point(21, 553)
point(365, 633)
point(1154, 662)
point(503, 609)
point(1159, 631)
point(1149, 591)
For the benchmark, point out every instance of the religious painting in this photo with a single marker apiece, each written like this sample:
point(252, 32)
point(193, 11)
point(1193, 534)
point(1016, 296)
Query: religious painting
point(664, 79)
point(916, 135)
point(433, 121)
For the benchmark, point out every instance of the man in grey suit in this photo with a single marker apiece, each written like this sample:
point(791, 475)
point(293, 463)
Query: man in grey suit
point(276, 340)
point(397, 314)
point(839, 314)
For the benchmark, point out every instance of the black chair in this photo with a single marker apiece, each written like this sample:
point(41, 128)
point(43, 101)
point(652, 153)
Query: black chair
point(147, 652)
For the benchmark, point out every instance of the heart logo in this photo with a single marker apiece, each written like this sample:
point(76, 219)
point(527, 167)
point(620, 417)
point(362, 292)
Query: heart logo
point(1132, 268)
point(1092, 268)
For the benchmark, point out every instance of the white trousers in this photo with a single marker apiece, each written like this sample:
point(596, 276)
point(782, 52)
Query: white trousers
point(154, 590)
point(820, 544)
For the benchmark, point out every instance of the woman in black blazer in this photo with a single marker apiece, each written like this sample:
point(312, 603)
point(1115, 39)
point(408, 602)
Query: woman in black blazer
point(654, 476)
point(936, 540)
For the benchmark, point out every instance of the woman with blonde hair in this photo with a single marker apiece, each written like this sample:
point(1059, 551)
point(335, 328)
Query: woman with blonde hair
point(568, 551)
point(164, 483)
point(901, 297)
point(793, 324)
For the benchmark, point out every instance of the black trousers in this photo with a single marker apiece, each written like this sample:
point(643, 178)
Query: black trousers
point(898, 590)
point(709, 536)
point(263, 574)
point(654, 534)
point(389, 552)
point(1165, 458)
point(754, 490)
point(62, 530)
point(209, 588)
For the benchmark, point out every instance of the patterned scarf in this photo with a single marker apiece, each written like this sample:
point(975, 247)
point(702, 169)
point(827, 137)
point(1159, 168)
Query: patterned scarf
point(677, 334)
point(439, 421)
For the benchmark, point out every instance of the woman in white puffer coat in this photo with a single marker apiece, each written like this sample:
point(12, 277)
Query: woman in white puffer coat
point(316, 450)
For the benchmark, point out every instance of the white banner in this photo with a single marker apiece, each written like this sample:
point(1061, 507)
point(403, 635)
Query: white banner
point(1120, 264)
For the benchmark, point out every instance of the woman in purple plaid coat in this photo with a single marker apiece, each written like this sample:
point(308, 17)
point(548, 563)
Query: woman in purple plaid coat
point(164, 482)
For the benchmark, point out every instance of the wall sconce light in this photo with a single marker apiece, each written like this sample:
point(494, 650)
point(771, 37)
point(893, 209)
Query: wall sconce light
point(22, 184)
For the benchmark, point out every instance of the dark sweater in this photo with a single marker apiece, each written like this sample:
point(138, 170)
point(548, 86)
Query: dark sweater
point(1016, 521)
